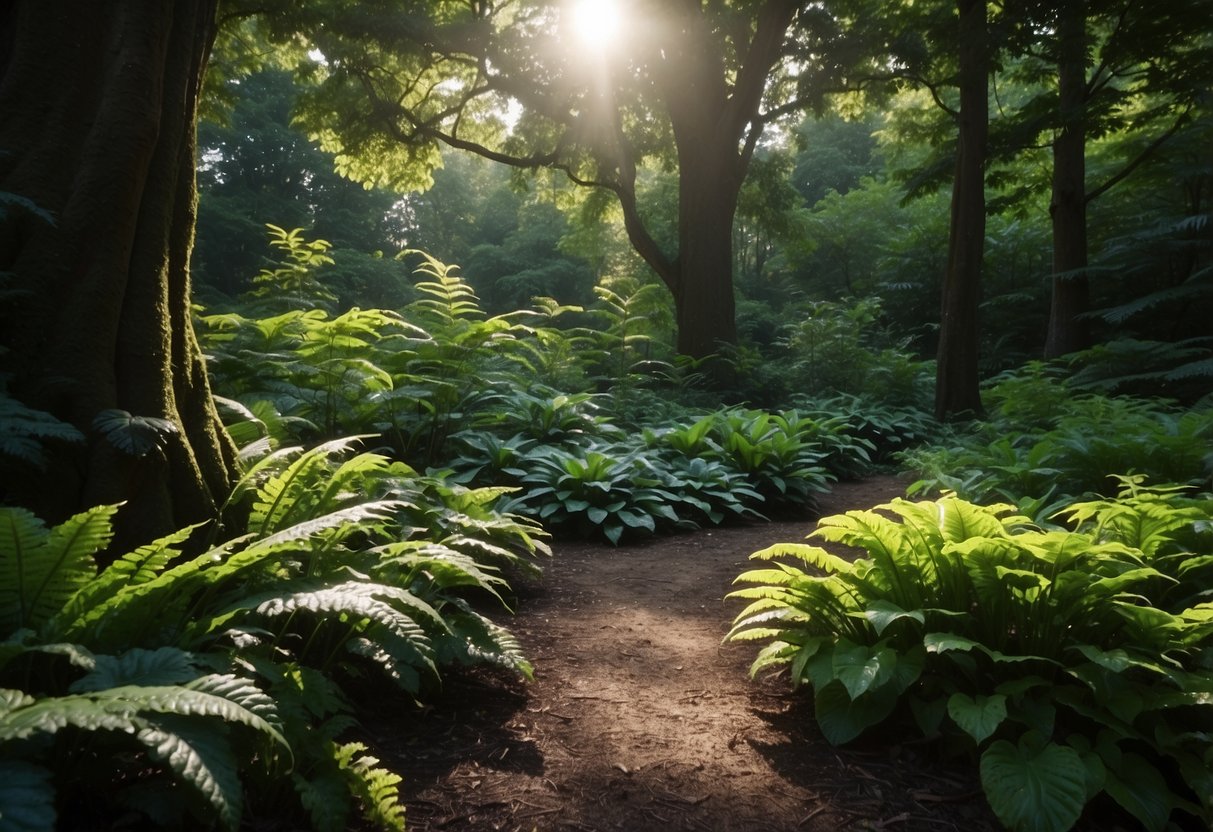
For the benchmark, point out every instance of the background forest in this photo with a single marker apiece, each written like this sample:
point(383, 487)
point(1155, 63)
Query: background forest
point(458, 280)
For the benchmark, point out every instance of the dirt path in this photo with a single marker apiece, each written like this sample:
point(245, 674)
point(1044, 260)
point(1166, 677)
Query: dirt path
point(639, 719)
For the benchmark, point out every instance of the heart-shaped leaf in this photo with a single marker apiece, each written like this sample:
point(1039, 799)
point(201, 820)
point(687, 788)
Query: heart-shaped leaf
point(1035, 786)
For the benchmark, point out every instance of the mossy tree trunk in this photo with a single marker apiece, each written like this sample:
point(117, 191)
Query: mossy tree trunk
point(99, 102)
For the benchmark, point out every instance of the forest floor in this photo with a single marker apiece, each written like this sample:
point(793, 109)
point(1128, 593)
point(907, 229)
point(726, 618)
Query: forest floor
point(639, 718)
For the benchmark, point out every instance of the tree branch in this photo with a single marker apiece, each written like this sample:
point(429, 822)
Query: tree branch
point(1145, 154)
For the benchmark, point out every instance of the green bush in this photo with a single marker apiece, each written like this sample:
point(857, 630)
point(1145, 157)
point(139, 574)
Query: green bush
point(1074, 662)
point(1044, 445)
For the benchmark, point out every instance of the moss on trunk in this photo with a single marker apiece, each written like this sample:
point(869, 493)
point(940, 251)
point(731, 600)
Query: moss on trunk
point(100, 102)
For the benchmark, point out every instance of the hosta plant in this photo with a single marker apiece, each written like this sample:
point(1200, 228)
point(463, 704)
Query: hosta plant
point(776, 453)
point(1064, 659)
point(594, 492)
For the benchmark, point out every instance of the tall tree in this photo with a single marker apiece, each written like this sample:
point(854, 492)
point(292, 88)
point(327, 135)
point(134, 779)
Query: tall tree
point(956, 387)
point(1117, 65)
point(689, 84)
point(98, 102)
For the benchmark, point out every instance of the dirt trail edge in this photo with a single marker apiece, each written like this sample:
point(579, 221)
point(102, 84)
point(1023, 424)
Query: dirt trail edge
point(640, 719)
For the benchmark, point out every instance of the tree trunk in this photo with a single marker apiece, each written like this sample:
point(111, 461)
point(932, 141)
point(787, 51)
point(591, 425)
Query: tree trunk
point(703, 284)
point(99, 102)
point(1068, 332)
point(957, 383)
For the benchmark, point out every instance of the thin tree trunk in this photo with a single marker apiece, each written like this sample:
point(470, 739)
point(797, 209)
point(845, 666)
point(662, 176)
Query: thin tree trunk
point(1068, 331)
point(99, 102)
point(957, 382)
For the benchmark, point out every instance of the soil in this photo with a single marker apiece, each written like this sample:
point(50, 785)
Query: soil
point(639, 718)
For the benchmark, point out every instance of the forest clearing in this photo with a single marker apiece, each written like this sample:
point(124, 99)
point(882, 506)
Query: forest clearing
point(606, 414)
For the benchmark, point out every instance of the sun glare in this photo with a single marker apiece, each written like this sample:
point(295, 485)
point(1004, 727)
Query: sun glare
point(596, 23)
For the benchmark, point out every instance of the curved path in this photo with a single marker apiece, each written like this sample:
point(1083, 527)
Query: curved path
point(640, 719)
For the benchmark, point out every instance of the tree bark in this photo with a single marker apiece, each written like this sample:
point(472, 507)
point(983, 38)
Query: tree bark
point(1068, 331)
point(957, 391)
point(99, 103)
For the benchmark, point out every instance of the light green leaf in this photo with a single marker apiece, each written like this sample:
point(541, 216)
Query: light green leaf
point(978, 717)
point(861, 668)
point(883, 613)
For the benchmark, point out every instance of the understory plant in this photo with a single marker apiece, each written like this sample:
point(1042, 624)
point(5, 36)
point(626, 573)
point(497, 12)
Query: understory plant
point(1074, 662)
point(1045, 440)
point(208, 688)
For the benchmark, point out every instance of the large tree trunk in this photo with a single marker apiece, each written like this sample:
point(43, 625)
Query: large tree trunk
point(709, 183)
point(1068, 331)
point(957, 389)
point(99, 102)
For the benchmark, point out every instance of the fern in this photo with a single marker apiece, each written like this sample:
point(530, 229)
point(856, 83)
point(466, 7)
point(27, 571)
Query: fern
point(996, 632)
point(130, 570)
point(162, 666)
point(168, 721)
point(24, 429)
point(377, 788)
point(200, 757)
point(41, 569)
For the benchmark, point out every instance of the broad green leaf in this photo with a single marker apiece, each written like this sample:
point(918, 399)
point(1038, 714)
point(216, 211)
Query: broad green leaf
point(842, 718)
point(861, 668)
point(883, 613)
point(1141, 790)
point(1034, 786)
point(980, 716)
point(947, 642)
point(163, 666)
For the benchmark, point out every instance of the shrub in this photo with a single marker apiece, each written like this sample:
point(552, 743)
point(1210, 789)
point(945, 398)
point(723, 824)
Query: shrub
point(1044, 446)
point(1074, 662)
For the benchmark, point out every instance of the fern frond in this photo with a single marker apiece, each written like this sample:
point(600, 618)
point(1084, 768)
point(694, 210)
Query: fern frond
point(132, 569)
point(11, 700)
point(810, 555)
point(200, 758)
point(40, 570)
point(478, 640)
point(395, 608)
point(163, 666)
point(284, 497)
point(377, 790)
point(444, 566)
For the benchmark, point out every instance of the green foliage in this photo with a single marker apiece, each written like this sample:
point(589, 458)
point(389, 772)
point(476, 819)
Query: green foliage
point(840, 348)
point(414, 377)
point(134, 435)
point(595, 490)
point(1044, 445)
point(888, 429)
point(294, 283)
point(1073, 662)
point(24, 430)
point(352, 562)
